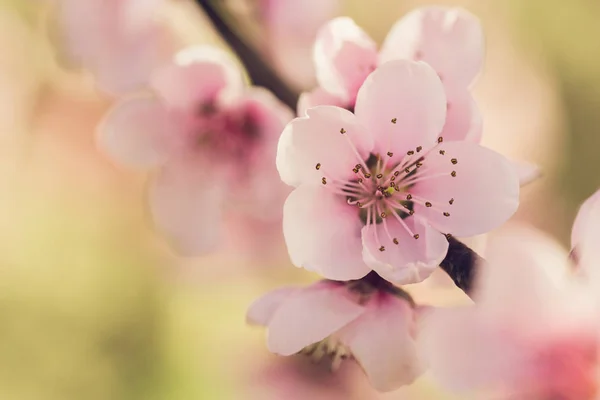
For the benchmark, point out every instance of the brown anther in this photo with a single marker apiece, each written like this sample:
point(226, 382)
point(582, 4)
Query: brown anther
point(367, 176)
point(324, 181)
point(358, 166)
point(416, 236)
point(379, 176)
point(360, 180)
point(394, 120)
point(453, 173)
point(396, 173)
point(409, 196)
point(411, 212)
point(410, 152)
point(419, 148)
point(383, 215)
point(428, 204)
point(419, 165)
point(446, 214)
point(359, 204)
point(393, 178)
point(393, 184)
point(382, 248)
point(318, 166)
point(395, 240)
point(448, 236)
point(442, 152)
point(440, 139)
point(451, 201)
point(390, 154)
point(342, 131)
point(407, 170)
point(355, 170)
point(454, 161)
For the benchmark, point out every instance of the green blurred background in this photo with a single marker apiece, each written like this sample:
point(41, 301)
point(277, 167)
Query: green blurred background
point(92, 304)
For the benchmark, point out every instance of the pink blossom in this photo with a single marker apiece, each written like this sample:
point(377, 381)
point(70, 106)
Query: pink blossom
point(339, 320)
point(119, 41)
point(211, 141)
point(449, 39)
point(533, 332)
point(376, 189)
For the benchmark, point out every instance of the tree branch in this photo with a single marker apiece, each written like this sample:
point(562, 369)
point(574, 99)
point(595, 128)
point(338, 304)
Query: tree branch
point(461, 263)
point(259, 71)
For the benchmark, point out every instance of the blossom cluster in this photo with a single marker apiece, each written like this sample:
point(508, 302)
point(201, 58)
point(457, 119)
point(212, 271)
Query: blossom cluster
point(382, 169)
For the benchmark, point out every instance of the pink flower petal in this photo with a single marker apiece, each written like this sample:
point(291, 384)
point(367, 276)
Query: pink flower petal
point(451, 40)
point(381, 340)
point(138, 132)
point(585, 238)
point(463, 119)
point(485, 189)
point(322, 233)
point(529, 264)
point(590, 206)
point(262, 309)
point(411, 260)
point(185, 202)
point(403, 104)
point(318, 97)
point(344, 55)
point(527, 172)
point(309, 316)
point(197, 76)
point(314, 146)
point(464, 353)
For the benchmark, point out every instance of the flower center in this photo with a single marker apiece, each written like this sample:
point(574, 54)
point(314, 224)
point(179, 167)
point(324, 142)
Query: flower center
point(330, 347)
point(382, 187)
point(228, 134)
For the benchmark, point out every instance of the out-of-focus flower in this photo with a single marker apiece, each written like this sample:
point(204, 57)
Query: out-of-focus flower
point(119, 41)
point(449, 39)
point(213, 141)
point(376, 189)
point(533, 333)
point(375, 325)
point(291, 27)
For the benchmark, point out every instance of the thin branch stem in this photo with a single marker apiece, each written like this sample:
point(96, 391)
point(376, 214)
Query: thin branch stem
point(259, 71)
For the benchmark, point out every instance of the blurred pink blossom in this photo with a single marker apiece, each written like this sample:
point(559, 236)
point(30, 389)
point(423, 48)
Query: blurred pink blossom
point(212, 141)
point(338, 320)
point(533, 332)
point(376, 190)
point(119, 41)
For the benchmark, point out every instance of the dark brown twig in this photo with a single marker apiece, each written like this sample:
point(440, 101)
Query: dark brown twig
point(259, 71)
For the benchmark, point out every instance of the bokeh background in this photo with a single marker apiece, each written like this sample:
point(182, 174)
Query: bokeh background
point(94, 306)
